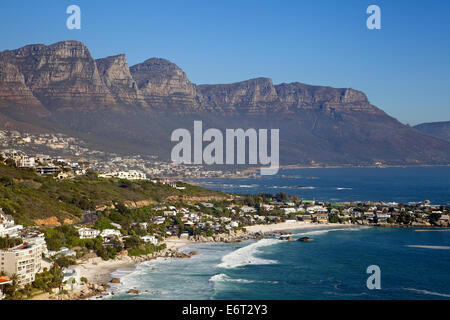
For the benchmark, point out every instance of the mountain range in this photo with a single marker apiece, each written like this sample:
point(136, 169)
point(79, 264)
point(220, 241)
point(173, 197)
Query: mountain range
point(436, 129)
point(115, 107)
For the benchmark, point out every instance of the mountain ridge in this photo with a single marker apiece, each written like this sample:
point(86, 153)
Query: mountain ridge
point(439, 129)
point(63, 86)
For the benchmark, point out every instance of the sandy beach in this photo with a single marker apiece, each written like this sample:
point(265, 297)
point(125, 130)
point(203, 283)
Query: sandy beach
point(100, 272)
point(283, 226)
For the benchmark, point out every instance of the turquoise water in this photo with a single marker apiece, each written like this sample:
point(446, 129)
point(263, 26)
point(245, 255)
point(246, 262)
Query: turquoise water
point(332, 266)
point(344, 184)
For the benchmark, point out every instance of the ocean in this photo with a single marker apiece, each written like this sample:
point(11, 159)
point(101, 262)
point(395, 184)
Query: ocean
point(414, 263)
point(409, 184)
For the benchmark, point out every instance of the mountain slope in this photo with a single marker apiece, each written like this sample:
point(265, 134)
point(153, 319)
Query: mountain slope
point(60, 87)
point(436, 129)
point(30, 198)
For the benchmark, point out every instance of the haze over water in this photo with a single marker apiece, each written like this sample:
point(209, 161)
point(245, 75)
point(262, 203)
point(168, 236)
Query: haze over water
point(410, 184)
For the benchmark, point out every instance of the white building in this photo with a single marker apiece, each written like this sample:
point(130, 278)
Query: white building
point(27, 162)
point(71, 278)
point(23, 260)
point(234, 224)
point(63, 251)
point(150, 239)
point(88, 233)
point(7, 226)
point(247, 209)
point(289, 210)
point(316, 209)
point(38, 239)
point(110, 233)
point(129, 175)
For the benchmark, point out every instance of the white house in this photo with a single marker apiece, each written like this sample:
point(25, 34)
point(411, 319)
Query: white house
point(71, 278)
point(88, 233)
point(234, 224)
point(7, 226)
point(159, 220)
point(110, 233)
point(247, 209)
point(288, 210)
point(150, 239)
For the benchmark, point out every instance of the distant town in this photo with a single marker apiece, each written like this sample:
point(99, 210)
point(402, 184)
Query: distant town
point(45, 151)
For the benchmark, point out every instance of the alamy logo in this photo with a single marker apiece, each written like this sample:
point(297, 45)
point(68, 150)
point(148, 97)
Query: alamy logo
point(374, 20)
point(374, 281)
point(235, 140)
point(74, 20)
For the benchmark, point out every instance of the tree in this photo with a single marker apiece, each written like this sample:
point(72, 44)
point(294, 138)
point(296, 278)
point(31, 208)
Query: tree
point(434, 217)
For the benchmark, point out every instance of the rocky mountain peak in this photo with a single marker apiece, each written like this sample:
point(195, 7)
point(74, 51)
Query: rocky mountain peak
point(162, 83)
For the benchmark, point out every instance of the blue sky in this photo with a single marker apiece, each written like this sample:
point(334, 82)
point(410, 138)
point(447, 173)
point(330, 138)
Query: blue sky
point(404, 68)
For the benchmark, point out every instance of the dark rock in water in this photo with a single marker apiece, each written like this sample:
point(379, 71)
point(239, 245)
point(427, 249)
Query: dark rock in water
point(305, 239)
point(115, 280)
point(286, 238)
point(134, 291)
point(194, 253)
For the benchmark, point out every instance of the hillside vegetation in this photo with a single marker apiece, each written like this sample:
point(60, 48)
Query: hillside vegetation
point(30, 198)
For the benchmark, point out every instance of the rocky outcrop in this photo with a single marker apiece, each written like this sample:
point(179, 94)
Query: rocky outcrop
point(164, 85)
point(61, 76)
point(254, 96)
point(14, 90)
point(260, 96)
point(115, 74)
point(133, 291)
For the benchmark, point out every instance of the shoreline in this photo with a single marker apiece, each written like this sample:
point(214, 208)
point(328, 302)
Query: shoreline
point(100, 273)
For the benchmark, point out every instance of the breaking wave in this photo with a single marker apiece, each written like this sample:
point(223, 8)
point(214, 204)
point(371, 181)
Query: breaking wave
point(426, 292)
point(224, 278)
point(323, 231)
point(246, 255)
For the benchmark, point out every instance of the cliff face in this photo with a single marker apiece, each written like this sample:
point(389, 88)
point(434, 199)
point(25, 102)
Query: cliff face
point(61, 76)
point(260, 96)
point(163, 85)
point(138, 107)
point(14, 90)
point(115, 74)
point(255, 96)
point(64, 76)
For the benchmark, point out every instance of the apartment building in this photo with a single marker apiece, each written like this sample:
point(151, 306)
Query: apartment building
point(23, 260)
